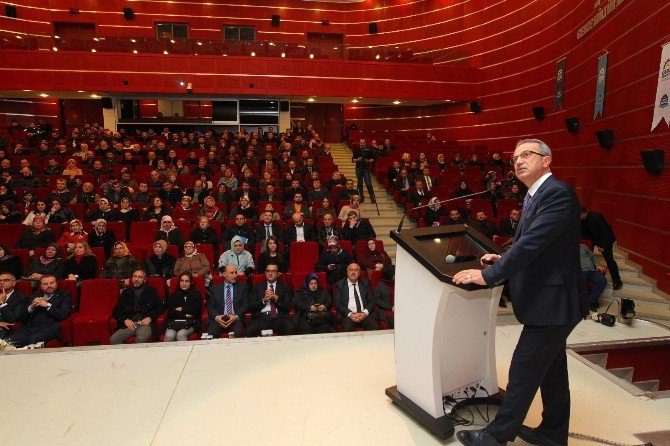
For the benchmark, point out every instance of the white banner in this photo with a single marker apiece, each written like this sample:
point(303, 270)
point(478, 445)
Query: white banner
point(661, 106)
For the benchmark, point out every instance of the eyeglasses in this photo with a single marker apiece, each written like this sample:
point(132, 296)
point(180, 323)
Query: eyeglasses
point(525, 155)
point(271, 271)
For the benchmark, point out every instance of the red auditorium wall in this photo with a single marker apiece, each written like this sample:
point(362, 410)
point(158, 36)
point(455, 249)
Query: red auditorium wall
point(26, 110)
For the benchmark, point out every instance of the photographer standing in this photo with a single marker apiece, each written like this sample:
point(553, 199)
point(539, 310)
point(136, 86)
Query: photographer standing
point(364, 158)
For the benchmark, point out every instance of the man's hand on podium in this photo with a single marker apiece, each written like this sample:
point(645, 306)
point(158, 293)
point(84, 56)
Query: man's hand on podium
point(469, 276)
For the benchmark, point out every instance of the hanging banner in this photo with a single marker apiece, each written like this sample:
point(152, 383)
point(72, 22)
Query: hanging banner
point(558, 84)
point(661, 109)
point(600, 86)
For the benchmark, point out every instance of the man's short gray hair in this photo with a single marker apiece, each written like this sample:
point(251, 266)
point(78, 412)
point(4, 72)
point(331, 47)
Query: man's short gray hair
point(542, 146)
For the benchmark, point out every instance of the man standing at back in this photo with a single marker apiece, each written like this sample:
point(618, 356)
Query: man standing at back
point(549, 295)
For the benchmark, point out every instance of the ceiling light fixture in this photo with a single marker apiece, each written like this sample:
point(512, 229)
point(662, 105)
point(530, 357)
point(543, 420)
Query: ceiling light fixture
point(44, 95)
point(396, 102)
point(354, 100)
point(311, 100)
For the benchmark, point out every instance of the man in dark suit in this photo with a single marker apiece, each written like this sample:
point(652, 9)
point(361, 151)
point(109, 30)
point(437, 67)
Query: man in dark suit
point(327, 230)
point(270, 304)
point(137, 311)
point(227, 305)
point(13, 304)
point(418, 193)
point(597, 229)
point(354, 301)
point(549, 296)
point(299, 231)
point(267, 227)
point(393, 172)
point(48, 308)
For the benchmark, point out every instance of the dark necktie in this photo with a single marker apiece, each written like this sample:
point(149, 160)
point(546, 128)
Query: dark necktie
point(268, 231)
point(526, 200)
point(229, 301)
point(273, 305)
point(357, 298)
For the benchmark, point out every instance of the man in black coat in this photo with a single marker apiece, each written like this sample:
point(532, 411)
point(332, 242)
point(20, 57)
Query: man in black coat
point(270, 304)
point(267, 227)
point(13, 304)
point(48, 308)
point(550, 299)
point(356, 229)
point(227, 305)
point(241, 229)
point(137, 310)
point(595, 227)
point(327, 230)
point(299, 231)
point(354, 301)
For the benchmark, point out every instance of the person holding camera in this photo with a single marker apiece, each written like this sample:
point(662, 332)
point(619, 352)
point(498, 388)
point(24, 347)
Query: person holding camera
point(364, 158)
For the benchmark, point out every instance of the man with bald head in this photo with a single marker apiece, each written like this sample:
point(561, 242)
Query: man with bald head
point(87, 196)
point(354, 301)
point(299, 231)
point(27, 179)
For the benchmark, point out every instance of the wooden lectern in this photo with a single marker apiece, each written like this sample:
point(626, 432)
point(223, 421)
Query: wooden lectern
point(444, 333)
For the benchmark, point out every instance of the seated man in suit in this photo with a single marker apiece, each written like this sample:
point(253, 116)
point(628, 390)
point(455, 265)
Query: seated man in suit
point(508, 227)
point(356, 229)
point(240, 228)
point(354, 301)
point(13, 304)
point(227, 305)
point(299, 231)
point(482, 224)
point(267, 227)
point(270, 304)
point(418, 193)
point(328, 230)
point(393, 171)
point(48, 308)
point(137, 310)
point(298, 206)
point(403, 183)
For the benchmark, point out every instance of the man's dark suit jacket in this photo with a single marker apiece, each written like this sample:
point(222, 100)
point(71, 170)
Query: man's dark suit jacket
point(341, 296)
point(415, 198)
point(284, 303)
point(596, 228)
point(290, 234)
point(150, 305)
point(542, 265)
point(61, 306)
point(16, 308)
point(216, 304)
point(260, 231)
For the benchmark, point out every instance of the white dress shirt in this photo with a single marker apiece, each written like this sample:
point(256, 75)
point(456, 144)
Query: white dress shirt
point(352, 299)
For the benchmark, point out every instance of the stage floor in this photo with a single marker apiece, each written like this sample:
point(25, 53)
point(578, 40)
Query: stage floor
point(311, 390)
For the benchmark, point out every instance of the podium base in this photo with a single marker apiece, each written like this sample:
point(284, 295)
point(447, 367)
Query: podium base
point(442, 427)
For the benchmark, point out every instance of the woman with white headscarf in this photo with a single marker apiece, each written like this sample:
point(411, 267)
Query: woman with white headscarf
point(169, 232)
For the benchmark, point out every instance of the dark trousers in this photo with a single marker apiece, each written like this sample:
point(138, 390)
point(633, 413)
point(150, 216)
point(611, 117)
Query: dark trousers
point(305, 328)
point(599, 283)
point(280, 325)
point(369, 323)
point(608, 255)
point(539, 360)
point(216, 330)
point(363, 174)
point(32, 335)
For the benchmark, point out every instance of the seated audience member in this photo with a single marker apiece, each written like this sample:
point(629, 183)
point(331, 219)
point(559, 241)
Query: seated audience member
point(245, 191)
point(204, 234)
point(8, 213)
point(354, 301)
point(238, 256)
point(101, 237)
point(37, 236)
point(270, 304)
point(185, 211)
point(241, 229)
point(433, 212)
point(60, 213)
point(418, 193)
point(356, 229)
point(169, 193)
point(270, 253)
point(299, 231)
point(142, 195)
point(156, 211)
point(593, 272)
point(312, 303)
point(382, 294)
point(10, 263)
point(75, 234)
point(48, 264)
point(61, 192)
point(508, 227)
point(454, 217)
point(244, 208)
point(184, 311)
point(81, 264)
point(267, 228)
point(393, 171)
point(403, 183)
point(169, 232)
point(120, 265)
point(348, 191)
point(193, 262)
point(128, 214)
point(221, 195)
point(228, 179)
point(87, 196)
point(270, 194)
point(335, 180)
point(463, 189)
point(227, 305)
point(297, 207)
point(104, 211)
point(40, 209)
point(514, 193)
point(48, 308)
point(13, 304)
point(373, 258)
point(211, 210)
point(71, 169)
point(317, 192)
point(325, 208)
point(198, 193)
point(334, 261)
point(160, 263)
point(327, 230)
point(482, 224)
point(137, 310)
point(271, 208)
point(354, 205)
point(116, 192)
point(428, 181)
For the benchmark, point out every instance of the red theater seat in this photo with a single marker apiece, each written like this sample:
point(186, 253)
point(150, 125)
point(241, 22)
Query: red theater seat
point(91, 325)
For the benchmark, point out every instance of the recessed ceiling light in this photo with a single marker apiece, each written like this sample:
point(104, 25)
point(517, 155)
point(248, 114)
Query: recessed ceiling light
point(181, 83)
point(354, 100)
point(377, 56)
point(133, 40)
point(19, 37)
point(369, 46)
point(96, 39)
point(55, 48)
point(94, 50)
point(134, 51)
point(311, 100)
point(199, 43)
point(283, 54)
point(56, 37)
point(253, 54)
point(335, 48)
point(396, 102)
point(80, 91)
point(171, 40)
point(44, 95)
point(271, 44)
point(165, 52)
point(27, 90)
point(95, 96)
point(224, 55)
point(311, 56)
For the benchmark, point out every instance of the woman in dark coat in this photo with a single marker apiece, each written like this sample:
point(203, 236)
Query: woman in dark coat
point(160, 263)
point(184, 310)
point(204, 234)
point(10, 263)
point(81, 264)
point(170, 233)
point(101, 237)
point(37, 236)
point(49, 263)
point(8, 213)
point(313, 299)
point(372, 258)
point(270, 252)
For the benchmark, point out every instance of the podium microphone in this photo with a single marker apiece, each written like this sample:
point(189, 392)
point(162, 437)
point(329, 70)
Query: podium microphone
point(457, 259)
point(402, 220)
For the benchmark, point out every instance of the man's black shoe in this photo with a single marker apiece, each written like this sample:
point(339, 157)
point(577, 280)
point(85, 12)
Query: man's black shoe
point(532, 436)
point(479, 437)
point(617, 286)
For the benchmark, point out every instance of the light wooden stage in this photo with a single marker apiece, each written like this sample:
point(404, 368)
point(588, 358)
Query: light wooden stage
point(312, 390)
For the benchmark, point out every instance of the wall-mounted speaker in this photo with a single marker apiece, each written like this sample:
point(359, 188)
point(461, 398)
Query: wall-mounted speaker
point(572, 124)
point(275, 20)
point(538, 113)
point(128, 13)
point(653, 160)
point(605, 138)
point(372, 28)
point(475, 107)
point(107, 102)
point(284, 106)
point(10, 11)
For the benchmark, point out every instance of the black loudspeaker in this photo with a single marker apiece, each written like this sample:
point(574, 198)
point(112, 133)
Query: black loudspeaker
point(653, 160)
point(284, 106)
point(10, 11)
point(475, 107)
point(605, 138)
point(538, 113)
point(572, 124)
point(128, 13)
point(372, 28)
point(107, 103)
point(275, 20)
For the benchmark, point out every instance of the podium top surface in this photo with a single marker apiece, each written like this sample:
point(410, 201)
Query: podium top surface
point(445, 250)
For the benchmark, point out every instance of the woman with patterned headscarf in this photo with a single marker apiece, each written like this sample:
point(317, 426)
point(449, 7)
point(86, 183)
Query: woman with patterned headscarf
point(48, 263)
point(75, 234)
point(169, 232)
point(120, 265)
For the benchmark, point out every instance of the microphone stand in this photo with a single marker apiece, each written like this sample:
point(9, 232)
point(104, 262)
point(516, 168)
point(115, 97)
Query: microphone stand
point(402, 220)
